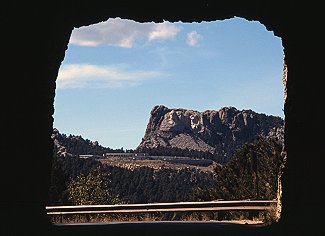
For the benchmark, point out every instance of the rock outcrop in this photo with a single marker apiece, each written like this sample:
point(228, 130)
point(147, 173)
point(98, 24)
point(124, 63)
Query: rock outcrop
point(218, 132)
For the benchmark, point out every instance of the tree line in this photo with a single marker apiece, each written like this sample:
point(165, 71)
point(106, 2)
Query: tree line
point(85, 181)
point(252, 173)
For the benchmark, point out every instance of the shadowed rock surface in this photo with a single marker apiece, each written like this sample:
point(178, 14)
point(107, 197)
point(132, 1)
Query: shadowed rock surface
point(30, 92)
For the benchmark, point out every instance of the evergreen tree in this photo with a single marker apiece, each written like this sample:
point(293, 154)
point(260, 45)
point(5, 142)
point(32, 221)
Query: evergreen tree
point(252, 173)
point(91, 189)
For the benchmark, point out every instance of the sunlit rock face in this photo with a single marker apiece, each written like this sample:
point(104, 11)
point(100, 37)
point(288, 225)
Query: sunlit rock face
point(219, 132)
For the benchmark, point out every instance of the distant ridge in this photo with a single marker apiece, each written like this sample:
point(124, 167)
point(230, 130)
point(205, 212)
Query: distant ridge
point(218, 133)
point(75, 145)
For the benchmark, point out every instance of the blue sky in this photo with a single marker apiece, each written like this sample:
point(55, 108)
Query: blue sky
point(114, 72)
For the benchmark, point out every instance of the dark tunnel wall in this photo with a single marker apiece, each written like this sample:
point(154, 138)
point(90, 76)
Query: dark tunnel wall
point(35, 39)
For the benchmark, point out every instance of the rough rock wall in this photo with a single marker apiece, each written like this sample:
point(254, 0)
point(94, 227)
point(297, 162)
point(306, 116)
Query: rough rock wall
point(219, 132)
point(35, 37)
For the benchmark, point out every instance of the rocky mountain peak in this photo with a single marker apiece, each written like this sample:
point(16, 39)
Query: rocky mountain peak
point(219, 132)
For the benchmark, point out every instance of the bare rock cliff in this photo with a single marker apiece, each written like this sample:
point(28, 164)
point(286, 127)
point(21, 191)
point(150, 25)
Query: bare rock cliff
point(219, 132)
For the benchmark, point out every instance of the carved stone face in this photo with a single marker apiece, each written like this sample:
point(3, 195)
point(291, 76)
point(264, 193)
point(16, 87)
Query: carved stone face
point(195, 121)
point(179, 120)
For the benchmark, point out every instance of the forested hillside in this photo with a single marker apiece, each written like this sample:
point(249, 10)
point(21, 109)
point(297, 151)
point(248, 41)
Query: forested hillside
point(77, 145)
point(136, 185)
point(252, 173)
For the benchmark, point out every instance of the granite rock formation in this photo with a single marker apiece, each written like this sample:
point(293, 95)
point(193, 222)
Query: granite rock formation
point(219, 132)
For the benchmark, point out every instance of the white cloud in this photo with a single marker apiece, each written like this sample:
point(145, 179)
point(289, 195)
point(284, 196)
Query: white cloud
point(122, 33)
point(193, 38)
point(95, 76)
point(163, 31)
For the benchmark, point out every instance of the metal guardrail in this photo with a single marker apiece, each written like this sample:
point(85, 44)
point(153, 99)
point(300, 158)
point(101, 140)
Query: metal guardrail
point(244, 205)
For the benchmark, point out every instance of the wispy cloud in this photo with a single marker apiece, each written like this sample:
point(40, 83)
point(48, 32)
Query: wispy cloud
point(193, 38)
point(98, 76)
point(122, 33)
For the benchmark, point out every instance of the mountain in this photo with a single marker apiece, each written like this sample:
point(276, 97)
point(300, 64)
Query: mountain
point(177, 132)
point(74, 145)
point(219, 133)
